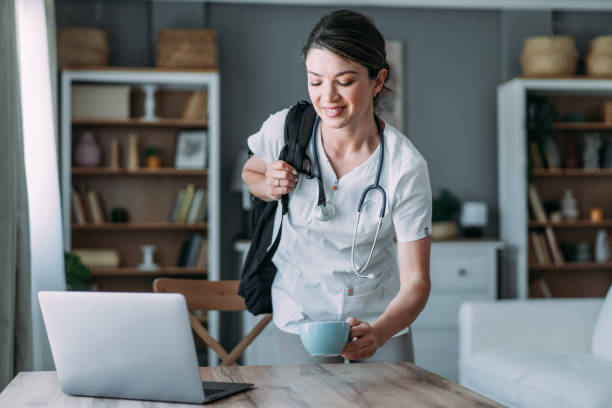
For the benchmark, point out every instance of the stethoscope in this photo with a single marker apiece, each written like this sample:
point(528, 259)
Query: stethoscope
point(325, 210)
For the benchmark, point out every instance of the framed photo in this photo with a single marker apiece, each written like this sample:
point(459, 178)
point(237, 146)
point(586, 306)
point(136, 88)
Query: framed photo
point(391, 101)
point(191, 150)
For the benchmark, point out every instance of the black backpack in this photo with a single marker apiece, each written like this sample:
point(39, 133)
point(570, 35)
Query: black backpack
point(258, 271)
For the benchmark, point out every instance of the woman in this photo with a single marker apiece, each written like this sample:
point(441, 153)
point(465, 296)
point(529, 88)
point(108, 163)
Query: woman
point(346, 69)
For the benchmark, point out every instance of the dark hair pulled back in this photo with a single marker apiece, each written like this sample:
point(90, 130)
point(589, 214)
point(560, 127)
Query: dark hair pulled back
point(352, 36)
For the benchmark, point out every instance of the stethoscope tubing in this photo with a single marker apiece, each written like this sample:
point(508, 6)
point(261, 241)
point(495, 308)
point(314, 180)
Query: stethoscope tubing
point(359, 271)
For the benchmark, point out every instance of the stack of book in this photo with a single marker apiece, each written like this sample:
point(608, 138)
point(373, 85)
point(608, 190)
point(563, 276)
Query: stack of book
point(87, 207)
point(189, 205)
point(193, 252)
point(544, 245)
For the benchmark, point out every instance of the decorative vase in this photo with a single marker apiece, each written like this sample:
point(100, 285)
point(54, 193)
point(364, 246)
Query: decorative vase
point(444, 230)
point(132, 154)
point(87, 152)
point(569, 209)
point(602, 246)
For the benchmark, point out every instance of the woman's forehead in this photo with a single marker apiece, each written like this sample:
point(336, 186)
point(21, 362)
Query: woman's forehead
point(325, 62)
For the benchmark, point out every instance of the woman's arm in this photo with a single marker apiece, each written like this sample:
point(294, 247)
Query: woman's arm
point(268, 181)
point(413, 259)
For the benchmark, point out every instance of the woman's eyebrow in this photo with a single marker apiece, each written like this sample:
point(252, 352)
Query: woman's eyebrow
point(338, 74)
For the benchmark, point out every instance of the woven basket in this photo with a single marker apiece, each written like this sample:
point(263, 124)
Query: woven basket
point(187, 49)
point(550, 44)
point(601, 45)
point(79, 46)
point(549, 55)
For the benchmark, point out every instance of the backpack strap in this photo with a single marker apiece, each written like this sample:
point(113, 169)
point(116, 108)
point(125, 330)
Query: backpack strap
point(298, 129)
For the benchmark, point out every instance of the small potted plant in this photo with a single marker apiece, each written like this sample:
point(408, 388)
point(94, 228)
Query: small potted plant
point(77, 274)
point(445, 212)
point(153, 156)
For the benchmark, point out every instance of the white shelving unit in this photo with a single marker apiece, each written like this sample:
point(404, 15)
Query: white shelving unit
point(513, 176)
point(164, 79)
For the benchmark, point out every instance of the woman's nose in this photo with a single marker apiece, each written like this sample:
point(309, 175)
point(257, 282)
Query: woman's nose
point(330, 93)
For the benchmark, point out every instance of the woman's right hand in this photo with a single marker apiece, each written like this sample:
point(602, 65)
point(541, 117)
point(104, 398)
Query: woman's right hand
point(281, 178)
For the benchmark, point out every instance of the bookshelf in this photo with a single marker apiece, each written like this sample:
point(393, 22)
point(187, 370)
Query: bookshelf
point(522, 272)
point(147, 194)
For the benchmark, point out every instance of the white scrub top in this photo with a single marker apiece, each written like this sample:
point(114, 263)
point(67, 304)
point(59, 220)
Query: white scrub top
point(315, 279)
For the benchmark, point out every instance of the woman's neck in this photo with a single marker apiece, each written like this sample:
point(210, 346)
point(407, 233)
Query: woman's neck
point(347, 141)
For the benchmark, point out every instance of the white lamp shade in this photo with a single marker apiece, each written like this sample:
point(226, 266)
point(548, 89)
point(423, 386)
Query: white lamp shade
point(473, 214)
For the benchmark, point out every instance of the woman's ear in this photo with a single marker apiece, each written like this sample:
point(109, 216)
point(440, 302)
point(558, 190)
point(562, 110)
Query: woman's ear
point(379, 81)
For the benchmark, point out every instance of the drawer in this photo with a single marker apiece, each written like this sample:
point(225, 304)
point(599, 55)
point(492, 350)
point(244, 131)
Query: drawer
point(442, 309)
point(437, 351)
point(459, 273)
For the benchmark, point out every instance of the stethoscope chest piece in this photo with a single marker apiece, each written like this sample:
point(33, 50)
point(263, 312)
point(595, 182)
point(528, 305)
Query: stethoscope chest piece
point(325, 212)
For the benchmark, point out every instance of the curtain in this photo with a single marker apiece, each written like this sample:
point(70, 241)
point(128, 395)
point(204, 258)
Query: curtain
point(15, 301)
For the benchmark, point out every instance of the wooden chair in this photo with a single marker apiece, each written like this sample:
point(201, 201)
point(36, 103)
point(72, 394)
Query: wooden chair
point(207, 295)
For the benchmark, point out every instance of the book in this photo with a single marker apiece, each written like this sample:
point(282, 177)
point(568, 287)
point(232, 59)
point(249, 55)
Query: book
point(198, 197)
point(177, 205)
point(77, 208)
point(182, 258)
point(186, 203)
point(98, 257)
point(95, 207)
point(554, 246)
point(536, 204)
point(546, 249)
point(202, 261)
point(534, 155)
point(193, 251)
point(202, 214)
point(541, 254)
point(544, 288)
point(195, 108)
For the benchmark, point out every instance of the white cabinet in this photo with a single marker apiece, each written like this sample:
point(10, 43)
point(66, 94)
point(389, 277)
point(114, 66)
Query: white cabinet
point(460, 271)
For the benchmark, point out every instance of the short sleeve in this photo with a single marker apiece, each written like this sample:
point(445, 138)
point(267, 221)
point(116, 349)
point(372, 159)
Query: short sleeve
point(412, 204)
point(268, 141)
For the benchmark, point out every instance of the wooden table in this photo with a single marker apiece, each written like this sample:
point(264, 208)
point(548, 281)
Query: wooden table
point(326, 385)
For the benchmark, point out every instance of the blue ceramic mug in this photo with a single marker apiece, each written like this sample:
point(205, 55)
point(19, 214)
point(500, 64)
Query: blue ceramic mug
point(324, 338)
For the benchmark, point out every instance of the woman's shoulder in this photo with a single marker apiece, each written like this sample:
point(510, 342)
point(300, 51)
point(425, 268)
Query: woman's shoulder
point(276, 119)
point(400, 148)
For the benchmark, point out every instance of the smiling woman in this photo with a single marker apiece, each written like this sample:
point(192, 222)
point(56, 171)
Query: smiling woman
point(320, 275)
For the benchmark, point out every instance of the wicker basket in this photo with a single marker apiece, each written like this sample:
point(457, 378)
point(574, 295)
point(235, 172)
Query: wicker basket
point(549, 55)
point(187, 49)
point(79, 46)
point(599, 60)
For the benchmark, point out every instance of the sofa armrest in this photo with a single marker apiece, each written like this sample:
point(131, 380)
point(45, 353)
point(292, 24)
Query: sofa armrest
point(555, 325)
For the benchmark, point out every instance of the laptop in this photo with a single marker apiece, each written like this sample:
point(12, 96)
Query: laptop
point(127, 345)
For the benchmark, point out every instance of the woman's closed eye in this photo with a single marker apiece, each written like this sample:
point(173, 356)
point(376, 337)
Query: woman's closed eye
point(345, 83)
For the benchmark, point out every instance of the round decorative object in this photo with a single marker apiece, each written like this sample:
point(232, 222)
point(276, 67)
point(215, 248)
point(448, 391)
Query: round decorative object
point(602, 246)
point(569, 208)
point(119, 214)
point(87, 153)
point(549, 56)
point(444, 230)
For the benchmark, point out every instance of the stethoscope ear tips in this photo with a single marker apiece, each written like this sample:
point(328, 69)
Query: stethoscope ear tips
point(371, 276)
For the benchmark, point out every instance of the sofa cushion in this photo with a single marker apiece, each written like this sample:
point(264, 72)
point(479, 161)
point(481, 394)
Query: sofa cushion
point(537, 379)
point(601, 344)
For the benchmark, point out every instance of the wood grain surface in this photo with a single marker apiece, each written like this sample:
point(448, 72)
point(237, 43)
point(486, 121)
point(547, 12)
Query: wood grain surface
point(326, 385)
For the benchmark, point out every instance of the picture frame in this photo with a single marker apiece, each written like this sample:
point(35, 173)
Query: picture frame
point(191, 149)
point(390, 102)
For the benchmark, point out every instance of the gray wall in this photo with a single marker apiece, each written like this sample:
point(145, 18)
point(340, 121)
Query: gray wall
point(453, 61)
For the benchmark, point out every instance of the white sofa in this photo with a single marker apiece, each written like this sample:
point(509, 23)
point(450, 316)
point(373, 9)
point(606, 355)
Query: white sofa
point(538, 353)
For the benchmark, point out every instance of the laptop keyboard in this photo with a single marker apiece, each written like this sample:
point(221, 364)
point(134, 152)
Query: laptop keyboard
point(211, 391)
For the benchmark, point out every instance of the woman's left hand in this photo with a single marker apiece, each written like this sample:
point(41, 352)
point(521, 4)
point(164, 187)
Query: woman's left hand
point(365, 340)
